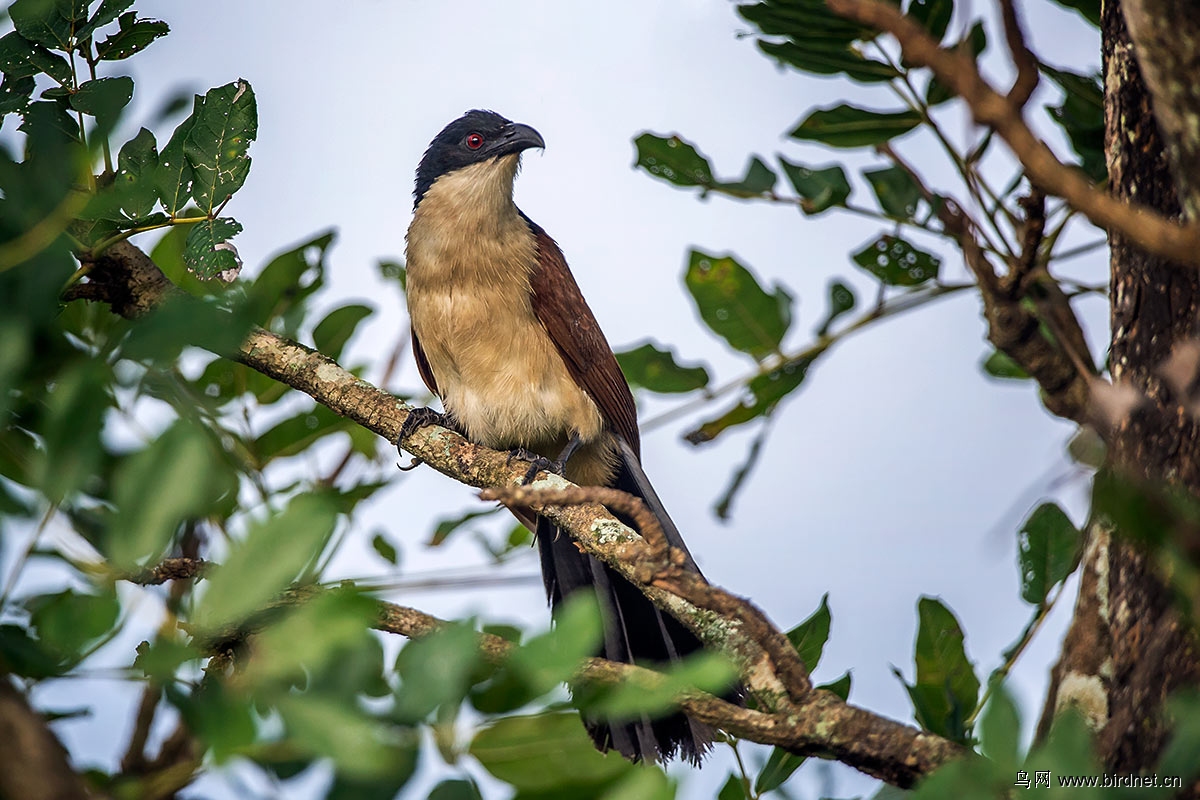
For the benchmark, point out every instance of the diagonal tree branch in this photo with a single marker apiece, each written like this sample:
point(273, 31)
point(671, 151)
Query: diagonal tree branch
point(33, 763)
point(958, 71)
point(807, 721)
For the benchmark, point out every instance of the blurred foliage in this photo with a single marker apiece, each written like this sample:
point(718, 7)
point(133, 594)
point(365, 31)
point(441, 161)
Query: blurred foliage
point(141, 439)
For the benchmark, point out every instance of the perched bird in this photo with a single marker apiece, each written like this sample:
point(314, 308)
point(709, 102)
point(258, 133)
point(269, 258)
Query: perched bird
point(502, 334)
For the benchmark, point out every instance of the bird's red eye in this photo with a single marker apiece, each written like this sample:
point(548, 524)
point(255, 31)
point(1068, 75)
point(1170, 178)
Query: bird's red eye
point(474, 141)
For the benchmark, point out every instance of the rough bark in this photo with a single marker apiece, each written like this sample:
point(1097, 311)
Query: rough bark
point(1128, 649)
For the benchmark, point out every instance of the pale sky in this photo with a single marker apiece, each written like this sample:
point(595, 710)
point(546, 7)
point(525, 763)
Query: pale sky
point(898, 470)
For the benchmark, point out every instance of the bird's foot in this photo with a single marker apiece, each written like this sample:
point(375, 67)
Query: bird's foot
point(420, 418)
point(537, 463)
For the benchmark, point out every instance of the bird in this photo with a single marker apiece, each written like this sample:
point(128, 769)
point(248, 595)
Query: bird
point(503, 336)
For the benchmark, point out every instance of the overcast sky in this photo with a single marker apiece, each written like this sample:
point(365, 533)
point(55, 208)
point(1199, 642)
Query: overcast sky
point(897, 471)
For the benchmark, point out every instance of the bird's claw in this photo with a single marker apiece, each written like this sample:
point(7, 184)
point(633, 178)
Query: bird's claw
point(419, 418)
point(537, 463)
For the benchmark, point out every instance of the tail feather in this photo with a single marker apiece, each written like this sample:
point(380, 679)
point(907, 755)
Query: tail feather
point(635, 631)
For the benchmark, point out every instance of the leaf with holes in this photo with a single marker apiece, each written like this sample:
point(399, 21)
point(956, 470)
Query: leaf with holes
point(896, 191)
point(656, 370)
point(173, 178)
point(41, 21)
point(765, 393)
point(21, 58)
point(849, 126)
point(821, 188)
point(896, 262)
point(1048, 548)
point(672, 159)
point(759, 178)
point(208, 253)
point(735, 307)
point(829, 58)
point(108, 11)
point(841, 301)
point(226, 122)
point(137, 165)
point(134, 36)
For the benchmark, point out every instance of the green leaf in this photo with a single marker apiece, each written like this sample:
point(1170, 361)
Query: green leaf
point(134, 36)
point(226, 122)
point(779, 767)
point(933, 15)
point(765, 393)
point(946, 689)
point(642, 784)
point(546, 660)
point(840, 687)
point(809, 636)
point(803, 21)
point(849, 126)
point(841, 301)
point(1088, 9)
point(454, 790)
point(67, 621)
point(40, 21)
point(445, 527)
point(137, 165)
point(829, 58)
point(219, 717)
point(108, 11)
point(178, 476)
point(897, 192)
point(1048, 546)
point(332, 333)
point(310, 638)
point(386, 550)
point(173, 178)
point(1000, 365)
point(21, 654)
point(279, 293)
point(208, 253)
point(657, 370)
point(294, 435)
point(759, 178)
point(70, 429)
point(896, 262)
point(706, 670)
point(673, 159)
point(358, 745)
point(435, 670)
point(735, 307)
point(271, 556)
point(394, 271)
point(545, 752)
point(821, 188)
point(1081, 116)
point(103, 99)
point(15, 93)
point(21, 58)
point(1000, 730)
point(732, 789)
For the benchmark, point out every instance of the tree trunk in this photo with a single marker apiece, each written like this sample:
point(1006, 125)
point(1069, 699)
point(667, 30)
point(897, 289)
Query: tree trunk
point(1127, 648)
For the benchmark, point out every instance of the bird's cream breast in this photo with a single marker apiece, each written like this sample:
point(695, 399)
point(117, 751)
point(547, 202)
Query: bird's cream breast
point(498, 372)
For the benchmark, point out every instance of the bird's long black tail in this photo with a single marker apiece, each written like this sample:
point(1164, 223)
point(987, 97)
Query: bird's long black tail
point(634, 629)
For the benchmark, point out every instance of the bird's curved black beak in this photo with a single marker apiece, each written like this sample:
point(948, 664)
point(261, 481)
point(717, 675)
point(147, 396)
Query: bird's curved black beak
point(514, 138)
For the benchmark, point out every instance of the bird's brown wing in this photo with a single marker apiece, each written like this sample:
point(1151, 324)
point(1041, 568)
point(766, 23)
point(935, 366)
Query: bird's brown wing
point(560, 307)
point(423, 364)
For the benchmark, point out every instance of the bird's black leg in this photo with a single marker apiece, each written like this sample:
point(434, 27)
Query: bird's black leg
point(537, 463)
point(422, 418)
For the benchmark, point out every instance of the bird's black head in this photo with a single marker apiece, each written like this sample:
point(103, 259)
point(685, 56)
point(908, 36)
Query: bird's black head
point(474, 137)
